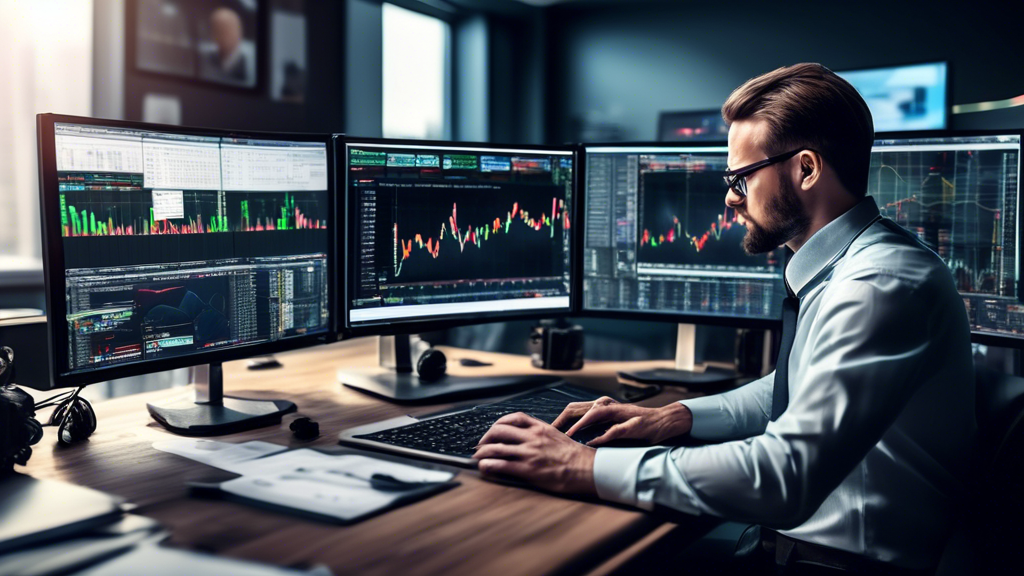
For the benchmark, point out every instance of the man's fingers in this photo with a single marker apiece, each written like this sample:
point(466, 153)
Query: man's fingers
point(497, 466)
point(627, 429)
point(594, 415)
point(517, 419)
point(504, 434)
point(574, 410)
point(571, 413)
point(504, 451)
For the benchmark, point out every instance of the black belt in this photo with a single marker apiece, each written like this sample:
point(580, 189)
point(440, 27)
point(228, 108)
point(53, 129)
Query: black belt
point(797, 556)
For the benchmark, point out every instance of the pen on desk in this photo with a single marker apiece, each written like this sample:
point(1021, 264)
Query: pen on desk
point(387, 481)
point(383, 482)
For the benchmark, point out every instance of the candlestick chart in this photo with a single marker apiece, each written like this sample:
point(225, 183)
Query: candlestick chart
point(684, 221)
point(478, 236)
point(660, 239)
point(959, 196)
point(961, 203)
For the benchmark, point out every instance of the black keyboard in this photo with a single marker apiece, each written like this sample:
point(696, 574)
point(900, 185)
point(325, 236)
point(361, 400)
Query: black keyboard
point(458, 434)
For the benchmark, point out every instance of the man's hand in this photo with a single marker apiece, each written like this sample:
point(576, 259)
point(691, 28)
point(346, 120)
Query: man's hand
point(654, 425)
point(522, 447)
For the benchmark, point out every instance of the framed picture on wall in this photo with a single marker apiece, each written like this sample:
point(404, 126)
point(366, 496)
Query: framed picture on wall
point(211, 41)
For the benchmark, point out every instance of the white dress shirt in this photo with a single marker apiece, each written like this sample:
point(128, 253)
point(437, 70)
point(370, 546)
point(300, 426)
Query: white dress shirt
point(871, 453)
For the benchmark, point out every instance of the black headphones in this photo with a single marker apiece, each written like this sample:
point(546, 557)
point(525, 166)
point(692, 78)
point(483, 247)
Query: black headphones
point(74, 417)
point(6, 366)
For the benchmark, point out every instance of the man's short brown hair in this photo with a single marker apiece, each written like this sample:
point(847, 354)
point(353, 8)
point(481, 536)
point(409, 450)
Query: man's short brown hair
point(809, 105)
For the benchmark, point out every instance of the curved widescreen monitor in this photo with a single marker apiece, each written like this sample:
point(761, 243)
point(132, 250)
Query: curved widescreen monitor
point(660, 243)
point(168, 247)
point(959, 193)
point(448, 232)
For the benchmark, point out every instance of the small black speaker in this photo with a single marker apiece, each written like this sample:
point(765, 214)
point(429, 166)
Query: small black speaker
point(556, 345)
point(28, 338)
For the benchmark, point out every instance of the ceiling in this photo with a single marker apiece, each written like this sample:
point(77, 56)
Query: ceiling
point(543, 3)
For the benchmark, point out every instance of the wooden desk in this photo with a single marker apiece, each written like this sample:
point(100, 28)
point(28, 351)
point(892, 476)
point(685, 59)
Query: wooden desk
point(478, 528)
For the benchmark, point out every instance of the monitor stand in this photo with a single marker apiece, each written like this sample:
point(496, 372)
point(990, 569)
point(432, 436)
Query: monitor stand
point(686, 372)
point(395, 380)
point(214, 414)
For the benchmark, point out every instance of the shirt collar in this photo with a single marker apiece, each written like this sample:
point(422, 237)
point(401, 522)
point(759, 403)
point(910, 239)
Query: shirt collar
point(828, 243)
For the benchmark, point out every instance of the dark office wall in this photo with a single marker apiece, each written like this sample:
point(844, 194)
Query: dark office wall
point(619, 64)
point(516, 65)
point(499, 72)
point(363, 69)
point(208, 105)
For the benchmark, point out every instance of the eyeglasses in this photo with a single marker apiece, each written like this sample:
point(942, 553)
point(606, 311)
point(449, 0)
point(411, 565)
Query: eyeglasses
point(736, 179)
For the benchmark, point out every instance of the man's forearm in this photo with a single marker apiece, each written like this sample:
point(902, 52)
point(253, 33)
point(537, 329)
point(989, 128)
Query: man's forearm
point(671, 421)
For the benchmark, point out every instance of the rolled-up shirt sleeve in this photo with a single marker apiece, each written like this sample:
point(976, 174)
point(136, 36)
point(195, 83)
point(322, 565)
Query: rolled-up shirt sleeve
point(862, 367)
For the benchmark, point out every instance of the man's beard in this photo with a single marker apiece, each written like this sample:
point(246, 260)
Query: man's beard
point(785, 219)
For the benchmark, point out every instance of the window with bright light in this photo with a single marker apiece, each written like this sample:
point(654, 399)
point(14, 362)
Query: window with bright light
point(46, 66)
point(415, 74)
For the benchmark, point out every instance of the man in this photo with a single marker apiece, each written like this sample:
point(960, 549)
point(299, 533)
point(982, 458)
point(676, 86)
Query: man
point(855, 449)
point(227, 63)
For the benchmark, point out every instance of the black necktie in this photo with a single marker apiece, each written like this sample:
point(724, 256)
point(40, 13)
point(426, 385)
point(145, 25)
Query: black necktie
point(780, 396)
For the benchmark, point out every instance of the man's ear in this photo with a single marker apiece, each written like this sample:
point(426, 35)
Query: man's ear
point(811, 167)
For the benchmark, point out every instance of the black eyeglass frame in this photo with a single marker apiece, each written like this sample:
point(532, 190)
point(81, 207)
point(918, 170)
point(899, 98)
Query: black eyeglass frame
point(736, 180)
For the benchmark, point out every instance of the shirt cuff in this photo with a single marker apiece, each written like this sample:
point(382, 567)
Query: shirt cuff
point(710, 418)
point(615, 473)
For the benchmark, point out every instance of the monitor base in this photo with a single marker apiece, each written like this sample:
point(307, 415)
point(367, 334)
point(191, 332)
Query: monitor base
point(213, 414)
point(710, 377)
point(407, 388)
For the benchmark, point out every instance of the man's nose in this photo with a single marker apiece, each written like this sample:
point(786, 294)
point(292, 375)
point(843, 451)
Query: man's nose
point(732, 199)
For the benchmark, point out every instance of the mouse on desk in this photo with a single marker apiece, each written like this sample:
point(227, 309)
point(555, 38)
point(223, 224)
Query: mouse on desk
point(591, 431)
point(264, 363)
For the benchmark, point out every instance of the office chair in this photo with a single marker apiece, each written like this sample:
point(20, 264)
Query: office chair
point(993, 528)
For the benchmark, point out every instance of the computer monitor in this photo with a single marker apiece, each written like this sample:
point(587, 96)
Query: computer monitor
point(911, 97)
point(959, 193)
point(659, 243)
point(692, 126)
point(443, 234)
point(169, 247)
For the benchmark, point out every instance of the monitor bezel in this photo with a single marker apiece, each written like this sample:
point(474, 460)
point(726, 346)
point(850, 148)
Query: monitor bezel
point(987, 338)
point(947, 100)
point(659, 315)
point(428, 324)
point(54, 262)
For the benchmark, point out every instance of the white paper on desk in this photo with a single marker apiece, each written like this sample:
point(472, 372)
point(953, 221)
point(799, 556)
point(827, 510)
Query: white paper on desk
point(158, 561)
point(288, 462)
point(316, 482)
point(223, 455)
